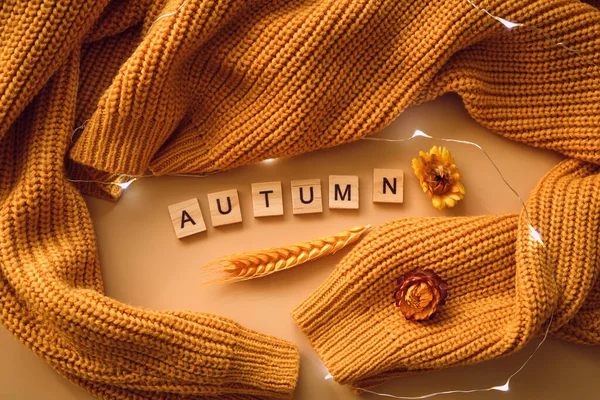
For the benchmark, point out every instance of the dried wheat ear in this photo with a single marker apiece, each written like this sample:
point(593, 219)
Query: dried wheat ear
point(259, 263)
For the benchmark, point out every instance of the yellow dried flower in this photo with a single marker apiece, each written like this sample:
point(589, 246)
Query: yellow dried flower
point(439, 177)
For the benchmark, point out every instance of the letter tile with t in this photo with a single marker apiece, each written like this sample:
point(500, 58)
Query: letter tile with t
point(267, 199)
point(306, 196)
point(187, 218)
point(225, 207)
point(343, 191)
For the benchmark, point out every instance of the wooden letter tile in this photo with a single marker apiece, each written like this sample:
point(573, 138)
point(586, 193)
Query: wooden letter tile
point(187, 218)
point(225, 207)
point(343, 191)
point(267, 199)
point(388, 185)
point(306, 196)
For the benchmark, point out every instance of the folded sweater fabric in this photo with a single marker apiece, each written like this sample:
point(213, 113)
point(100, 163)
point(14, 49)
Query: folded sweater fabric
point(97, 89)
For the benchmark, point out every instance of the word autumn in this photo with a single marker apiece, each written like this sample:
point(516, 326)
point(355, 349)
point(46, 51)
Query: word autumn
point(267, 200)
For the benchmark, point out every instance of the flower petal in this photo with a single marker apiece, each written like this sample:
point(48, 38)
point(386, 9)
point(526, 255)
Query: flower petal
point(437, 202)
point(445, 154)
point(450, 202)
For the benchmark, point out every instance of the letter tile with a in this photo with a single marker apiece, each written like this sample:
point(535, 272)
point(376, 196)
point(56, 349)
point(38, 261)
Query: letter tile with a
point(187, 218)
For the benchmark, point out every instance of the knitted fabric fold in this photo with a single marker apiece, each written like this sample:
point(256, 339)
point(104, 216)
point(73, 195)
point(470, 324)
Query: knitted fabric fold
point(95, 89)
point(267, 79)
point(52, 290)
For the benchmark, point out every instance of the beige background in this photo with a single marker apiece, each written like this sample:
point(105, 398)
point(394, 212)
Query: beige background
point(145, 265)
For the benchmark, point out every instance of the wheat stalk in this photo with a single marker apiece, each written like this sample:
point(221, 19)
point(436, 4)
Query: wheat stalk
point(256, 264)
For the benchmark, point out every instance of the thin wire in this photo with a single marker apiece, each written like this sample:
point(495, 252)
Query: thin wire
point(78, 128)
point(419, 133)
point(510, 25)
point(203, 175)
point(500, 388)
point(534, 234)
point(136, 177)
point(168, 14)
point(92, 181)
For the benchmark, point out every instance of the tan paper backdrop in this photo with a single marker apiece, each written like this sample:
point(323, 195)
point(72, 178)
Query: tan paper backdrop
point(145, 265)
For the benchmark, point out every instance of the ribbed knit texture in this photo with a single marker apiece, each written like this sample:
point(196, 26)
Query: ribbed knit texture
point(217, 84)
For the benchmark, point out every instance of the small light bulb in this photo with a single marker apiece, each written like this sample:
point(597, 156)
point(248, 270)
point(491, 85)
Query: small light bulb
point(503, 388)
point(125, 185)
point(535, 235)
point(421, 133)
point(508, 24)
point(328, 377)
point(268, 160)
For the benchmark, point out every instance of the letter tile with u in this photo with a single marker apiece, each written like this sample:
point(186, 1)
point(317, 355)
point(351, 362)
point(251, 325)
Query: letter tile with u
point(225, 207)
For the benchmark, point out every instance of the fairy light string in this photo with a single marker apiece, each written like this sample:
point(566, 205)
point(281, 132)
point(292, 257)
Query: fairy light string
point(170, 14)
point(535, 235)
point(511, 25)
point(124, 184)
point(500, 388)
point(81, 127)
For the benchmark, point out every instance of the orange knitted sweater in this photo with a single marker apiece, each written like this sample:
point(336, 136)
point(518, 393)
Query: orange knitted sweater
point(190, 86)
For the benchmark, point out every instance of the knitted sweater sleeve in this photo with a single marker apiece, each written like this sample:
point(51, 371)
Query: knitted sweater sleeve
point(503, 285)
point(51, 289)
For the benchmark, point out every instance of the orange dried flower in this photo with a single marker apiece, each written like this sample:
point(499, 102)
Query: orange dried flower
point(439, 177)
point(419, 294)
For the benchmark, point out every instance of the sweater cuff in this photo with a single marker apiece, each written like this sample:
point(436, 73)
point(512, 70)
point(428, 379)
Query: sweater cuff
point(262, 365)
point(355, 327)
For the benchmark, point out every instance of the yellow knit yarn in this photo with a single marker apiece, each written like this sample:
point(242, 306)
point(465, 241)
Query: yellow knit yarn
point(217, 84)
